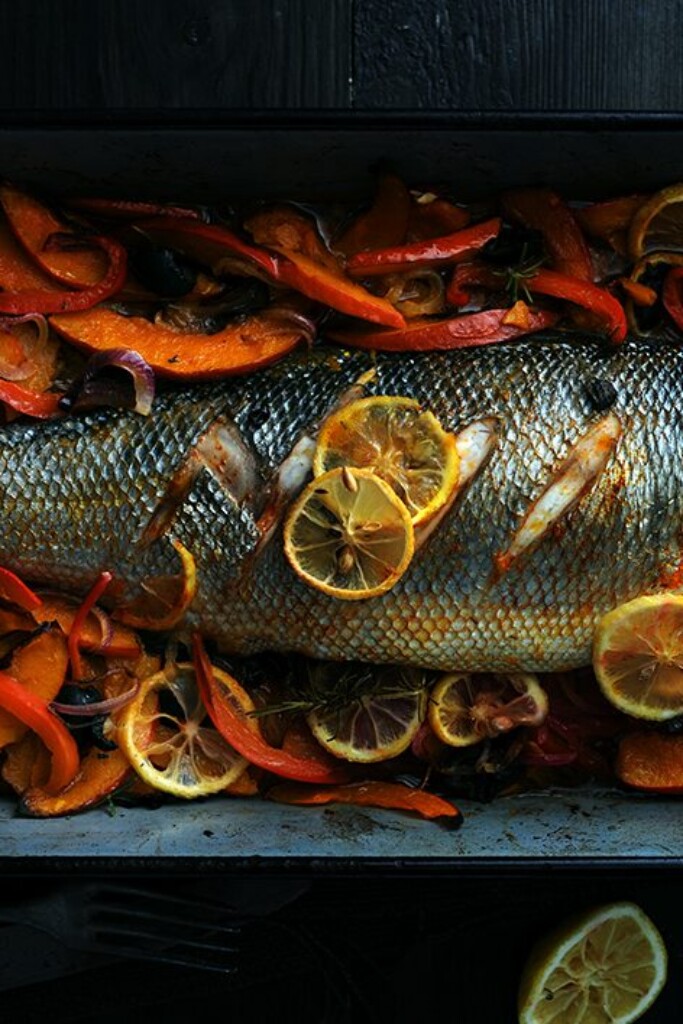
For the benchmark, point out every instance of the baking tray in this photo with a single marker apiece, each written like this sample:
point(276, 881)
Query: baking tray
point(318, 158)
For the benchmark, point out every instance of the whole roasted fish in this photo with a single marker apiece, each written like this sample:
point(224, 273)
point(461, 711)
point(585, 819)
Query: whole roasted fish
point(573, 504)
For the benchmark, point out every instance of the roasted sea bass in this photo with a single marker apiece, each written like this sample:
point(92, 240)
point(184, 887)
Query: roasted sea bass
point(571, 501)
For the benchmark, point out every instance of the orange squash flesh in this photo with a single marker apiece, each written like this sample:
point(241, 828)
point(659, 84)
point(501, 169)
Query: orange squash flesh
point(124, 642)
point(239, 348)
point(40, 665)
point(101, 774)
point(18, 271)
point(652, 762)
point(27, 763)
point(33, 224)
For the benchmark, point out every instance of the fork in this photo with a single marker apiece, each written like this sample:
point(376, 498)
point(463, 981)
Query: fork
point(139, 921)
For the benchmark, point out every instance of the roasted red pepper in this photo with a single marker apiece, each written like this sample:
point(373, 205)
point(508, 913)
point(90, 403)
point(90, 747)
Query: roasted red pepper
point(484, 328)
point(34, 713)
point(15, 590)
point(384, 224)
point(39, 301)
point(248, 741)
point(672, 295)
point(543, 210)
point(543, 282)
point(582, 293)
point(211, 244)
point(78, 624)
point(41, 406)
point(391, 795)
point(131, 209)
point(434, 252)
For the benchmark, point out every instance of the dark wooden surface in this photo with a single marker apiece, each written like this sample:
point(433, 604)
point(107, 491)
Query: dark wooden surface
point(224, 55)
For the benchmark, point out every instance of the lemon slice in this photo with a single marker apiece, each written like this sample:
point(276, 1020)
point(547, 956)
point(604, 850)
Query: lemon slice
point(606, 966)
point(638, 656)
point(465, 709)
point(376, 723)
point(349, 535)
point(658, 224)
point(399, 442)
point(163, 735)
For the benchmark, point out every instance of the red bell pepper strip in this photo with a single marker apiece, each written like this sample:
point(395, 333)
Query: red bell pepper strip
point(384, 224)
point(585, 294)
point(295, 270)
point(39, 301)
point(391, 795)
point(543, 210)
point(544, 282)
point(40, 405)
point(434, 252)
point(248, 741)
point(672, 295)
point(484, 328)
point(467, 276)
point(15, 590)
point(74, 639)
point(35, 713)
point(130, 209)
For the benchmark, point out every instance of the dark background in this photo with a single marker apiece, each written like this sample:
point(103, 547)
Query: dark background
point(351, 949)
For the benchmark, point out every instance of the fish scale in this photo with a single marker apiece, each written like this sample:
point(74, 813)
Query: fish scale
point(77, 494)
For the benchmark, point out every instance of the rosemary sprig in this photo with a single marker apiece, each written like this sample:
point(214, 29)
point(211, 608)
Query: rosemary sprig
point(516, 277)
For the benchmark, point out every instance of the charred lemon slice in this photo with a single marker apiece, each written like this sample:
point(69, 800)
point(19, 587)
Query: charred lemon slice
point(349, 535)
point(658, 224)
point(163, 734)
point(465, 709)
point(608, 964)
point(369, 714)
point(399, 442)
point(638, 656)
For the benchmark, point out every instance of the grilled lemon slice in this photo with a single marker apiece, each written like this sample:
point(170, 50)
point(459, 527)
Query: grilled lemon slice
point(163, 735)
point(349, 535)
point(465, 709)
point(638, 656)
point(606, 965)
point(399, 442)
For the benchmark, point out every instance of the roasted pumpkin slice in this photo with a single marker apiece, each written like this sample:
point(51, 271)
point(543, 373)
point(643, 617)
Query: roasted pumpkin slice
point(240, 347)
point(40, 665)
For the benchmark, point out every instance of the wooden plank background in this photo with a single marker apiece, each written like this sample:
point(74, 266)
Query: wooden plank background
point(224, 55)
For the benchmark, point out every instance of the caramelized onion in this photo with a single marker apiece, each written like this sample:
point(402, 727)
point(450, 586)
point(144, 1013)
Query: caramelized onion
point(98, 386)
point(420, 293)
point(9, 369)
point(101, 707)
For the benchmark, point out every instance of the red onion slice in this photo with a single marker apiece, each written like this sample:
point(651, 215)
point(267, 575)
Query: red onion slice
point(101, 707)
point(96, 388)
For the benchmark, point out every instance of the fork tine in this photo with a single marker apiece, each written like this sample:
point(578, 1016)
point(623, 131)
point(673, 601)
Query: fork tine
point(102, 914)
point(110, 937)
point(123, 894)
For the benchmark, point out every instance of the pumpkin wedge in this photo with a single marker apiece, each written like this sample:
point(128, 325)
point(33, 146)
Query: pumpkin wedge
point(40, 665)
point(241, 347)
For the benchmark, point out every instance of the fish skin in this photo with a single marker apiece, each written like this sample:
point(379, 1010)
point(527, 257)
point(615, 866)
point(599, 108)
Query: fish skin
point(76, 495)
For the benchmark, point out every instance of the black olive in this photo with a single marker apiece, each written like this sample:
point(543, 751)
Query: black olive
point(79, 696)
point(602, 393)
point(515, 247)
point(163, 271)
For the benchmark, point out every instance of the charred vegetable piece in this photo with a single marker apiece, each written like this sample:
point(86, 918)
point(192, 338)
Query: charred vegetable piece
point(609, 221)
point(391, 795)
point(485, 328)
point(34, 713)
point(100, 774)
point(226, 710)
point(435, 252)
point(239, 348)
point(39, 666)
point(543, 210)
point(384, 224)
point(162, 270)
point(34, 224)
